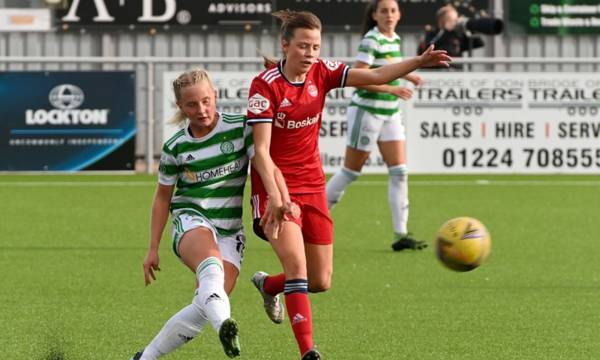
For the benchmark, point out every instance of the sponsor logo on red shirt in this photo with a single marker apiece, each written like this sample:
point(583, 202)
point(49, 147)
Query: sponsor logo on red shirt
point(258, 103)
point(332, 64)
point(279, 120)
point(303, 123)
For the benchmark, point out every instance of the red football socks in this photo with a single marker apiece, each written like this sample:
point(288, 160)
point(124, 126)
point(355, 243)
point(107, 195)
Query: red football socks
point(274, 284)
point(298, 309)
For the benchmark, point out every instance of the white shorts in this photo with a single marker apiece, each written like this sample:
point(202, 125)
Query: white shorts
point(366, 129)
point(231, 246)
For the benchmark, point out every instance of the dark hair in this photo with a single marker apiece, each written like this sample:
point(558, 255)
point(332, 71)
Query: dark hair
point(268, 60)
point(292, 20)
point(368, 21)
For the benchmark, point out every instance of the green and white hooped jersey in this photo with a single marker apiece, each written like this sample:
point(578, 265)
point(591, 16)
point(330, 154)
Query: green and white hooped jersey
point(210, 172)
point(377, 50)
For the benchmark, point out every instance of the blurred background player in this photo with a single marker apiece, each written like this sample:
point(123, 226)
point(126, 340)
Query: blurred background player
point(284, 107)
point(450, 35)
point(374, 117)
point(206, 209)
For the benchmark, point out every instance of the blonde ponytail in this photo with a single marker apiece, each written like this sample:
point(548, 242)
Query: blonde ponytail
point(178, 119)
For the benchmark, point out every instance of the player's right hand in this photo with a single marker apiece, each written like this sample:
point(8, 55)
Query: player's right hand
point(402, 92)
point(150, 265)
point(272, 219)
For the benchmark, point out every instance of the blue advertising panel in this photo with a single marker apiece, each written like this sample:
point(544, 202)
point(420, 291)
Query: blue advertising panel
point(67, 121)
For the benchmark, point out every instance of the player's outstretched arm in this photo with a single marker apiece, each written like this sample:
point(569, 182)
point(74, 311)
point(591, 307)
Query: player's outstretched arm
point(387, 73)
point(272, 219)
point(401, 92)
point(385, 88)
point(159, 217)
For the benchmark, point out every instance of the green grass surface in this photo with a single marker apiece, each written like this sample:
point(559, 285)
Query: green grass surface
point(71, 249)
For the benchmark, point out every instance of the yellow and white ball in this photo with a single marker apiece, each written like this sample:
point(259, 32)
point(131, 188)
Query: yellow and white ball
point(463, 243)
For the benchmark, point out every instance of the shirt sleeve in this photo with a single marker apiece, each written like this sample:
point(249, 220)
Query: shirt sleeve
point(248, 140)
point(366, 50)
point(261, 107)
point(335, 74)
point(167, 168)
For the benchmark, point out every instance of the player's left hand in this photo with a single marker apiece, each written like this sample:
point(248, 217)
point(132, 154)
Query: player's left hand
point(151, 264)
point(432, 58)
point(291, 210)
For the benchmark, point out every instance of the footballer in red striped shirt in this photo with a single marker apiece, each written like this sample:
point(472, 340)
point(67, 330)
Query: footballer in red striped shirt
point(295, 111)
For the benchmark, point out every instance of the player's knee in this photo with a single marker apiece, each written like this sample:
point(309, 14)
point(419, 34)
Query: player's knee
point(211, 269)
point(399, 172)
point(351, 175)
point(294, 269)
point(319, 283)
point(337, 185)
point(319, 286)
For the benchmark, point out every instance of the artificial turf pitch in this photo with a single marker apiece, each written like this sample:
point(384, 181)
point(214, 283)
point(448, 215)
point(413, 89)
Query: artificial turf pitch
point(71, 249)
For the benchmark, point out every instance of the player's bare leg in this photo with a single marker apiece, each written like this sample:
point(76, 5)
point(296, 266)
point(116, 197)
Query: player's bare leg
point(231, 276)
point(319, 266)
point(199, 252)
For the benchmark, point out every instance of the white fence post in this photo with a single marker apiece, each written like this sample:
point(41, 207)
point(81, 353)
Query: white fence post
point(150, 118)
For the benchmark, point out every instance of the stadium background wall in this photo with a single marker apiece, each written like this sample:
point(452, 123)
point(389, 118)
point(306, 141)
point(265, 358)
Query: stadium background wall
point(241, 44)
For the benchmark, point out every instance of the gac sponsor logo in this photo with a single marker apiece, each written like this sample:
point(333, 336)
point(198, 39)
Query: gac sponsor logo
point(258, 103)
point(303, 123)
point(332, 64)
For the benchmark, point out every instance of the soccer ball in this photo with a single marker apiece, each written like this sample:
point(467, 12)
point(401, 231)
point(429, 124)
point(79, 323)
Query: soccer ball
point(463, 243)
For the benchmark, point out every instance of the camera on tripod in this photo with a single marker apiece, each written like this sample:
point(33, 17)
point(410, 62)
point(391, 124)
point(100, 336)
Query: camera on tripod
point(459, 34)
point(482, 25)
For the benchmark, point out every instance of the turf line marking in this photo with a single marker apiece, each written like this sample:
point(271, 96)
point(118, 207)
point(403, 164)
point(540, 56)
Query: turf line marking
point(76, 183)
point(486, 183)
point(70, 248)
point(481, 182)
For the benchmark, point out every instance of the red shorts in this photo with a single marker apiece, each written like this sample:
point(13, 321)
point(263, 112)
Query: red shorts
point(314, 220)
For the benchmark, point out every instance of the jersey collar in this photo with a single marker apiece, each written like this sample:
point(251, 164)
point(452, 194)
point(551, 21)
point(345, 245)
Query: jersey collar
point(280, 68)
point(188, 131)
point(394, 37)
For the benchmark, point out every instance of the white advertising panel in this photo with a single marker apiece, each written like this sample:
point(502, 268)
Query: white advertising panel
point(505, 123)
point(232, 97)
point(12, 20)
